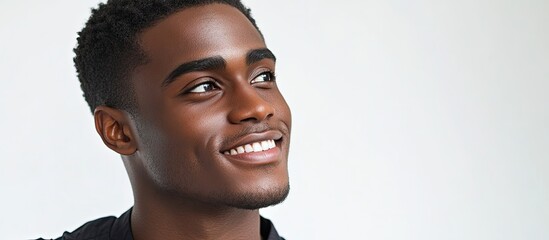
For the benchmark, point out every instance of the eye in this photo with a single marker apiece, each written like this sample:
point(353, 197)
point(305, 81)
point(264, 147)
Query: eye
point(264, 77)
point(203, 87)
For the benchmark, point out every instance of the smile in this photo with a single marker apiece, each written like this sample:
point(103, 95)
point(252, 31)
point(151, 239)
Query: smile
point(252, 147)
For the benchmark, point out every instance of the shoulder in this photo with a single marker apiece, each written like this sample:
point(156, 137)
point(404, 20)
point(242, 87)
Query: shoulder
point(268, 230)
point(104, 228)
point(98, 229)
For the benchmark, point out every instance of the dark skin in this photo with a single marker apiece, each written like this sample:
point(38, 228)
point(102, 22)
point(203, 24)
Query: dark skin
point(207, 89)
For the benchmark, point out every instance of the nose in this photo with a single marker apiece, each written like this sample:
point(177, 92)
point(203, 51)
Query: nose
point(247, 105)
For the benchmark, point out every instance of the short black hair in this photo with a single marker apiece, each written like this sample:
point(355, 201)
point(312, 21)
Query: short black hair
point(108, 48)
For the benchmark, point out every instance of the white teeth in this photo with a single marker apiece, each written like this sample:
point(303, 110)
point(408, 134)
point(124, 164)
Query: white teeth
point(240, 150)
point(248, 148)
point(252, 147)
point(257, 147)
point(265, 145)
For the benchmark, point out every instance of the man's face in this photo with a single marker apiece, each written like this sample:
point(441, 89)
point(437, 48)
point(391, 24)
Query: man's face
point(212, 124)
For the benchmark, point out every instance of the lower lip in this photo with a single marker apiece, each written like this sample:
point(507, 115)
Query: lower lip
point(256, 158)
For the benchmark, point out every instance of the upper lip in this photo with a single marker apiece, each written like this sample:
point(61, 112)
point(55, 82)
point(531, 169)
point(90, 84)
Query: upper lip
point(255, 137)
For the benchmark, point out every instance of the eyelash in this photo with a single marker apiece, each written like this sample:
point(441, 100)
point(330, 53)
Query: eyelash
point(210, 82)
point(270, 74)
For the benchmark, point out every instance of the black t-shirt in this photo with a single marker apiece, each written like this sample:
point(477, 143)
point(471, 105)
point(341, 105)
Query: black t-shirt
point(112, 228)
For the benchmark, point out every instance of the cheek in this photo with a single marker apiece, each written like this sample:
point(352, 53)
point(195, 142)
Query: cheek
point(198, 125)
point(178, 146)
point(282, 108)
point(192, 137)
point(155, 153)
point(287, 112)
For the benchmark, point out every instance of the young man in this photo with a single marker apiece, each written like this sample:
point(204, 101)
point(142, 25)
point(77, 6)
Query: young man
point(185, 92)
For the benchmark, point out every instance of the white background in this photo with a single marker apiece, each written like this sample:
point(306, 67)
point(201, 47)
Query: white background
point(412, 120)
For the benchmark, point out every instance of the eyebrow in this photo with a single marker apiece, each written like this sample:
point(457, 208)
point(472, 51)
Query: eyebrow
point(216, 63)
point(257, 55)
point(210, 63)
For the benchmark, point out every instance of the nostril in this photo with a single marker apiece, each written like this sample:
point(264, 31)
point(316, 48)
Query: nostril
point(250, 119)
point(257, 117)
point(250, 107)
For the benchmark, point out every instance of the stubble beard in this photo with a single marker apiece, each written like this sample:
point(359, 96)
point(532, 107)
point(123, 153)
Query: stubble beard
point(255, 200)
point(249, 200)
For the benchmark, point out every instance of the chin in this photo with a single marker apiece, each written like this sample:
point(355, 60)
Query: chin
point(257, 199)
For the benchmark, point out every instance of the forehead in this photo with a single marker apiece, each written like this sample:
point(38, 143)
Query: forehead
point(199, 32)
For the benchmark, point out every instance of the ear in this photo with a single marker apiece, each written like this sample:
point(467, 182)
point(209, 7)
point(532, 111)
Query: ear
point(113, 125)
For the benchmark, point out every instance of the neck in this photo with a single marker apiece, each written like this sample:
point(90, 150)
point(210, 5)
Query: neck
point(161, 220)
point(161, 215)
